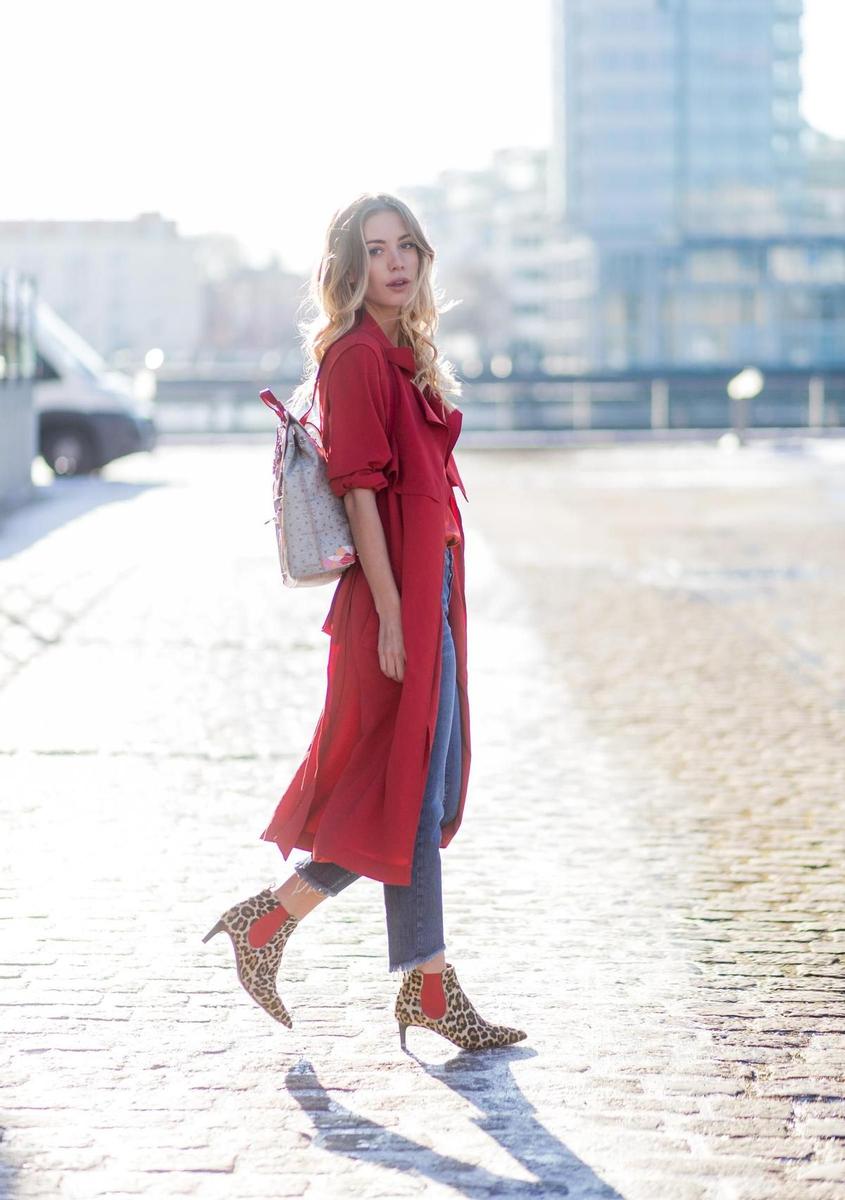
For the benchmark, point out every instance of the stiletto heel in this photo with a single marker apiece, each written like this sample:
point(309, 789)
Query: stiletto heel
point(257, 965)
point(460, 1023)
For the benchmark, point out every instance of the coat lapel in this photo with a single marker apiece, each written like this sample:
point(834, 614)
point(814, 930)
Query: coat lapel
point(403, 358)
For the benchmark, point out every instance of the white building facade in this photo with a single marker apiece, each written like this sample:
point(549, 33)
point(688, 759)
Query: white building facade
point(125, 286)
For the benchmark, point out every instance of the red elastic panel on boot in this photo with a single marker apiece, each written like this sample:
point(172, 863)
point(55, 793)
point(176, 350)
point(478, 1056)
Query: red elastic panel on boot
point(260, 931)
point(432, 997)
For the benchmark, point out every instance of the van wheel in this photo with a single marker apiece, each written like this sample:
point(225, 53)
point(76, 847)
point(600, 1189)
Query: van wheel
point(69, 452)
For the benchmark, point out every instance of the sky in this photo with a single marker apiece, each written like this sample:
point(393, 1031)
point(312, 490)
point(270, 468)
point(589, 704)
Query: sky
point(260, 118)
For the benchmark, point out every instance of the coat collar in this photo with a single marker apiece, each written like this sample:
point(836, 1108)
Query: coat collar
point(403, 357)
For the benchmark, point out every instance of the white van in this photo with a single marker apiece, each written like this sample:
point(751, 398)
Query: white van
point(88, 415)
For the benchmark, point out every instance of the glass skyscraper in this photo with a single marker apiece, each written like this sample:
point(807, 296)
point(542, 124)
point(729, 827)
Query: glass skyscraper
point(677, 115)
point(679, 185)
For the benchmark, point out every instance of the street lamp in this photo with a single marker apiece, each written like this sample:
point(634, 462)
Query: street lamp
point(145, 384)
point(742, 388)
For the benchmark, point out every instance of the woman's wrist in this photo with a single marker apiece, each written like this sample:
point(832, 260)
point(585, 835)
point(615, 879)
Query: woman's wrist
point(388, 606)
point(371, 545)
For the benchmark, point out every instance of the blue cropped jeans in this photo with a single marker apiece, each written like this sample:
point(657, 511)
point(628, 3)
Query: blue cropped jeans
point(414, 912)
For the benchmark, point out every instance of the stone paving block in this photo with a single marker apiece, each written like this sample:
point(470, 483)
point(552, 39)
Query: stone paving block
point(653, 821)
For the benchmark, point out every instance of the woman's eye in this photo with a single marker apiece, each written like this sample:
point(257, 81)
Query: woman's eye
point(405, 245)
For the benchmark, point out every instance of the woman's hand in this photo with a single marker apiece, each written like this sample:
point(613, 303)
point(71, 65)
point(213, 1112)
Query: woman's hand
point(391, 645)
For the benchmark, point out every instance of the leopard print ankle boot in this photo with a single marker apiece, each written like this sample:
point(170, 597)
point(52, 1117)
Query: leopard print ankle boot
point(460, 1023)
point(257, 968)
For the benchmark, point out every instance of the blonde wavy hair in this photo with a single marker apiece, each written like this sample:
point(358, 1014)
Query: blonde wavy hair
point(337, 301)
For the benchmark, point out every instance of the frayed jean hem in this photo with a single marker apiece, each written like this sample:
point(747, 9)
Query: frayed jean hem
point(302, 872)
point(415, 962)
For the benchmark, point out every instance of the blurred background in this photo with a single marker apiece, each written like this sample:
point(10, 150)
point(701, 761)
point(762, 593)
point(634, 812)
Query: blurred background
point(639, 206)
point(633, 201)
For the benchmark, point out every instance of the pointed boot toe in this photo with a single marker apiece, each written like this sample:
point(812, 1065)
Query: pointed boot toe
point(461, 1023)
point(257, 967)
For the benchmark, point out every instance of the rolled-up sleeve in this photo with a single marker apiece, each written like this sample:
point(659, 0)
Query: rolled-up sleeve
point(355, 406)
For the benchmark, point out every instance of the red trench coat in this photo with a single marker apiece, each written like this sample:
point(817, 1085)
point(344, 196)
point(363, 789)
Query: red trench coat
point(357, 795)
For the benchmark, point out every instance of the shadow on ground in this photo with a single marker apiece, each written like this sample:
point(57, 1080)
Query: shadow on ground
point(57, 504)
point(485, 1080)
point(8, 1176)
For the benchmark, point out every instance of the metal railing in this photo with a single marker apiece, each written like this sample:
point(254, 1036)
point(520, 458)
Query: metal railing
point(659, 401)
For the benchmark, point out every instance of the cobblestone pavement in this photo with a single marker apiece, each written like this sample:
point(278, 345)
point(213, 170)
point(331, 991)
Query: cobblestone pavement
point(649, 878)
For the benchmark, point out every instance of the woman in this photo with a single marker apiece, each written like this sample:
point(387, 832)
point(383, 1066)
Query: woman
point(383, 784)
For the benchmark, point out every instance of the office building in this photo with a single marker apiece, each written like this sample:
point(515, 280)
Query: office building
point(125, 286)
point(701, 221)
point(676, 117)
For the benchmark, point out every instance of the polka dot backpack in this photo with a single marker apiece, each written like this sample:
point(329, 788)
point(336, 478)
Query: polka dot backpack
point(313, 537)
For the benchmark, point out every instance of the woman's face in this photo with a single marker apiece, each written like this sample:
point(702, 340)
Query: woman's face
point(394, 262)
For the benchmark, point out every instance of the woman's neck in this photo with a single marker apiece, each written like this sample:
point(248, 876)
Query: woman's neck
point(389, 324)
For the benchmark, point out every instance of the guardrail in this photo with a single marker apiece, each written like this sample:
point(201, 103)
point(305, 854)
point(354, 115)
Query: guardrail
point(662, 402)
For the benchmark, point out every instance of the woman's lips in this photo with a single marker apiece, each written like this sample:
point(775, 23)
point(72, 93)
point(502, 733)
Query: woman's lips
point(399, 284)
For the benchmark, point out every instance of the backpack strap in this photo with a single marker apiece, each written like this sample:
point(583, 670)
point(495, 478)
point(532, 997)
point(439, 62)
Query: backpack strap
point(270, 400)
point(304, 418)
point(279, 409)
